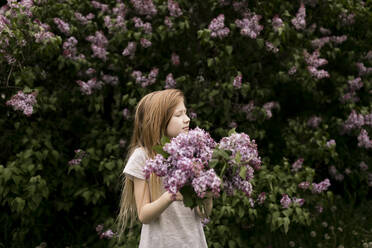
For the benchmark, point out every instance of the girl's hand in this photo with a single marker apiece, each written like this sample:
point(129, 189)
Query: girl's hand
point(179, 197)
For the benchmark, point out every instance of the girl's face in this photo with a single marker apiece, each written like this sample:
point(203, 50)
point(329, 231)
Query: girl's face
point(179, 121)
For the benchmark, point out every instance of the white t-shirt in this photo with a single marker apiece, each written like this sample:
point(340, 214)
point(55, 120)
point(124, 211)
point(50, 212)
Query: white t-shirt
point(177, 227)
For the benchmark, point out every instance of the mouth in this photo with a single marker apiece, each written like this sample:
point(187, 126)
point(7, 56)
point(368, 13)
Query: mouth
point(186, 128)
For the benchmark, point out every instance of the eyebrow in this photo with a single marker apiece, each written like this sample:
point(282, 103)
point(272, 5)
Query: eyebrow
point(181, 110)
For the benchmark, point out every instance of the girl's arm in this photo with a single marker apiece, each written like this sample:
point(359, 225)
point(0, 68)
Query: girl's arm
point(148, 211)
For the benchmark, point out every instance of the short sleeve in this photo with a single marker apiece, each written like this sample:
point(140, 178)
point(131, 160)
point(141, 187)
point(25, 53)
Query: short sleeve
point(136, 164)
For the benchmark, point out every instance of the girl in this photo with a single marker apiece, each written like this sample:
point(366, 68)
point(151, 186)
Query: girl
point(166, 222)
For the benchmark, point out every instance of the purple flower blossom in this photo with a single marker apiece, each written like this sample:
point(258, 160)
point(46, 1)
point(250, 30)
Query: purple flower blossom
point(324, 31)
point(298, 201)
point(83, 19)
point(248, 110)
point(285, 201)
point(268, 107)
point(144, 7)
point(353, 121)
point(217, 27)
point(88, 87)
point(130, 49)
point(320, 42)
point(62, 26)
point(175, 59)
point(174, 9)
point(147, 28)
point(363, 166)
point(103, 7)
point(304, 185)
point(206, 180)
point(170, 82)
point(297, 165)
point(320, 187)
point(113, 80)
point(79, 155)
point(362, 69)
point(347, 19)
point(168, 22)
point(277, 23)
point(99, 228)
point(364, 140)
point(143, 80)
point(338, 39)
point(331, 143)
point(238, 81)
point(292, 70)
point(145, 43)
point(69, 49)
point(314, 121)
point(23, 102)
point(107, 234)
point(299, 21)
point(261, 198)
point(250, 26)
point(270, 47)
point(98, 46)
point(192, 114)
point(233, 124)
point(355, 84)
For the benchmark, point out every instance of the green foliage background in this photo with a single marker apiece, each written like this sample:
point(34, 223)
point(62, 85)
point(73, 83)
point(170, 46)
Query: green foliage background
point(44, 199)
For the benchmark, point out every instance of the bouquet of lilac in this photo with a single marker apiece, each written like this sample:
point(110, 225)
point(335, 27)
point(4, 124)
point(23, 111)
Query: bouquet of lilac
point(194, 164)
point(183, 165)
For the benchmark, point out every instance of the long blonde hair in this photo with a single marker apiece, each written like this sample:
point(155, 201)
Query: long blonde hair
point(153, 113)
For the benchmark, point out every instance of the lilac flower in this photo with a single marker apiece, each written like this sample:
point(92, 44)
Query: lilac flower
point(292, 70)
point(319, 208)
point(331, 143)
point(145, 43)
point(130, 49)
point(298, 201)
point(320, 42)
point(248, 110)
point(79, 155)
point(99, 228)
point(122, 143)
point(261, 198)
point(338, 39)
point(299, 21)
point(268, 107)
point(353, 121)
point(249, 26)
point(107, 234)
point(43, 35)
point(313, 59)
point(324, 31)
point(88, 87)
point(206, 180)
point(147, 28)
point(363, 166)
point(168, 22)
point(101, 6)
point(113, 80)
point(233, 124)
point(304, 185)
point(270, 47)
point(277, 23)
point(297, 165)
point(319, 74)
point(157, 166)
point(170, 82)
point(175, 59)
point(69, 48)
point(217, 27)
point(192, 114)
point(347, 171)
point(62, 26)
point(98, 46)
point(144, 7)
point(314, 121)
point(174, 9)
point(363, 70)
point(285, 201)
point(238, 81)
point(83, 19)
point(355, 84)
point(90, 71)
point(322, 186)
point(364, 140)
point(23, 102)
point(347, 19)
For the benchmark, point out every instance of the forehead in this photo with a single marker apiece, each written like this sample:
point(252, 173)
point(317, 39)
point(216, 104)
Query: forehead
point(180, 106)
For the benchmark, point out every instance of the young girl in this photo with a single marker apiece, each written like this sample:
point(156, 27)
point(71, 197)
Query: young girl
point(166, 222)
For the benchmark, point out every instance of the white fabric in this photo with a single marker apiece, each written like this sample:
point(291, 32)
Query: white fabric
point(178, 226)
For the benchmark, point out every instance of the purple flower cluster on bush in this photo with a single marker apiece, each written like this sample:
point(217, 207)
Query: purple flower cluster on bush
point(23, 102)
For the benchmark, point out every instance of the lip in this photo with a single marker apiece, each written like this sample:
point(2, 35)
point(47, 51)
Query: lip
point(185, 128)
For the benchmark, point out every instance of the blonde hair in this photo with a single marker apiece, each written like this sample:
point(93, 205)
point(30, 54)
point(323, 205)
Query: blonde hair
point(153, 113)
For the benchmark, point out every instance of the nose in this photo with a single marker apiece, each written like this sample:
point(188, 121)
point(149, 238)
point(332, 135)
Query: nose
point(187, 119)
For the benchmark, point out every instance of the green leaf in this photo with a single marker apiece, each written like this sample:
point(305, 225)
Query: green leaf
point(231, 131)
point(286, 224)
point(229, 49)
point(243, 172)
point(164, 140)
point(159, 149)
point(188, 196)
